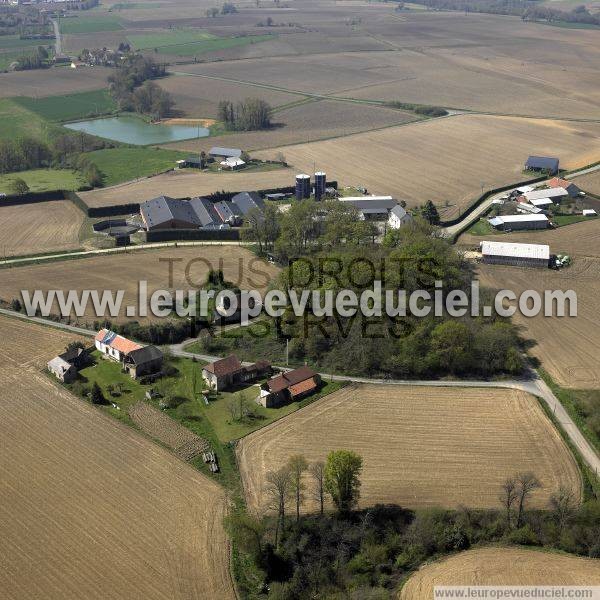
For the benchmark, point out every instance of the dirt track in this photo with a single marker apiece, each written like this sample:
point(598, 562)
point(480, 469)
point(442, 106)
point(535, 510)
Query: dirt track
point(501, 566)
point(421, 446)
point(88, 507)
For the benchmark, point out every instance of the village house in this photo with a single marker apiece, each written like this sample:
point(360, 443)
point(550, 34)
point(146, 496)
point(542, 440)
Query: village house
point(289, 387)
point(138, 360)
point(65, 366)
point(229, 372)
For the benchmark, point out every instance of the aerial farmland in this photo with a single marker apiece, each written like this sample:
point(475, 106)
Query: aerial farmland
point(315, 151)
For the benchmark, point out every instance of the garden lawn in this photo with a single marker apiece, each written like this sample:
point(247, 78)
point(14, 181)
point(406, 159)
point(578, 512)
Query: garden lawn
point(43, 180)
point(561, 220)
point(90, 24)
point(70, 106)
point(482, 227)
point(125, 163)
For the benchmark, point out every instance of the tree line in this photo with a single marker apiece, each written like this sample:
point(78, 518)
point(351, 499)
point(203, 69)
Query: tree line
point(248, 115)
point(62, 151)
point(367, 553)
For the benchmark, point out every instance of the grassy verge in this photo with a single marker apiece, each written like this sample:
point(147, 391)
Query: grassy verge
point(44, 180)
point(481, 227)
point(126, 163)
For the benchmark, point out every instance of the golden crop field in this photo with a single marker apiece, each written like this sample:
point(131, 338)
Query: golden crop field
point(181, 184)
point(447, 160)
point(501, 566)
point(88, 507)
point(164, 269)
point(421, 446)
point(39, 227)
point(566, 346)
point(590, 183)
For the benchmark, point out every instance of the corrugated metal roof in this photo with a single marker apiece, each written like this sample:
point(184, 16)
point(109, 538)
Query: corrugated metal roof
point(542, 162)
point(510, 249)
point(246, 201)
point(229, 152)
point(557, 192)
point(163, 209)
point(370, 204)
point(517, 219)
point(540, 201)
point(205, 212)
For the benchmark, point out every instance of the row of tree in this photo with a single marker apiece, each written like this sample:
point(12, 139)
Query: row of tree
point(38, 59)
point(248, 115)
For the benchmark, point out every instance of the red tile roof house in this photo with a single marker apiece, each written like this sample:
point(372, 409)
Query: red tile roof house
point(289, 387)
point(229, 372)
point(137, 359)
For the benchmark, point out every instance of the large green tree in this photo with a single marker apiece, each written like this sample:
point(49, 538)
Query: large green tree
point(342, 478)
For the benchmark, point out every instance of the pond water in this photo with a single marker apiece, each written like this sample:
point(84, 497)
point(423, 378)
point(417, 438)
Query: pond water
point(132, 130)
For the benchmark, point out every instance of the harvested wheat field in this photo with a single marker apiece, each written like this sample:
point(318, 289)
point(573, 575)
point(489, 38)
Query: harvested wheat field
point(421, 446)
point(578, 240)
point(501, 566)
point(590, 183)
point(39, 227)
point(567, 347)
point(181, 184)
point(182, 441)
point(88, 507)
point(447, 160)
point(190, 266)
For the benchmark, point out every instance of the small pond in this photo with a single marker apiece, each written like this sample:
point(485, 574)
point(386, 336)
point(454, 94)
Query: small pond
point(132, 130)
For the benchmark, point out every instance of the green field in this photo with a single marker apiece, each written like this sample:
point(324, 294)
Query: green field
point(17, 121)
point(90, 24)
point(124, 164)
point(561, 220)
point(567, 25)
point(186, 42)
point(13, 41)
point(70, 106)
point(43, 180)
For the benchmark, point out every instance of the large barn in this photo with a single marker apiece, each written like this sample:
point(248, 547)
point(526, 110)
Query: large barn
point(543, 164)
point(518, 255)
point(518, 222)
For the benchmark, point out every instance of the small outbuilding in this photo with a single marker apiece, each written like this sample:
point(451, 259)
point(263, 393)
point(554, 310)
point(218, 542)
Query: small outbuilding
point(289, 387)
point(232, 163)
point(589, 212)
point(542, 164)
point(144, 361)
point(398, 217)
point(519, 255)
point(63, 371)
point(218, 152)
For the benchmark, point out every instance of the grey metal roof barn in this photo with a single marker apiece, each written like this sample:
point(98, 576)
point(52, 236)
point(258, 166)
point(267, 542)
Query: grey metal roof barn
point(225, 152)
point(206, 213)
point(541, 251)
point(542, 163)
point(556, 192)
point(246, 201)
point(165, 212)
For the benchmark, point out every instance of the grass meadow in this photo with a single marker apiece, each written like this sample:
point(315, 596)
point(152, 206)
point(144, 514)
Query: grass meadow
point(69, 107)
point(90, 24)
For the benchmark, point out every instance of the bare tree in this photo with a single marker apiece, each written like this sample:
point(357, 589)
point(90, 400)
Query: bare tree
point(297, 465)
point(317, 472)
point(563, 506)
point(526, 484)
point(279, 488)
point(508, 497)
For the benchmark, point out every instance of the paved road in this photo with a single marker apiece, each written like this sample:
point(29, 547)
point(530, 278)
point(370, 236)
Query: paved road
point(486, 204)
point(126, 250)
point(58, 43)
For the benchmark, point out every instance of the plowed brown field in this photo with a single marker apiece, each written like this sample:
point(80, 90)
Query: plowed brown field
point(88, 507)
point(501, 566)
point(40, 227)
point(421, 446)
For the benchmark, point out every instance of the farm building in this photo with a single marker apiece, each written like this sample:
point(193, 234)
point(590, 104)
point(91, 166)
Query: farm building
point(372, 208)
point(541, 202)
point(398, 217)
point(138, 360)
point(228, 372)
point(246, 201)
point(555, 194)
point(66, 365)
point(523, 207)
point(545, 164)
point(144, 361)
point(191, 162)
point(232, 163)
point(569, 186)
point(519, 255)
point(164, 212)
point(589, 212)
point(289, 387)
point(217, 152)
point(517, 222)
